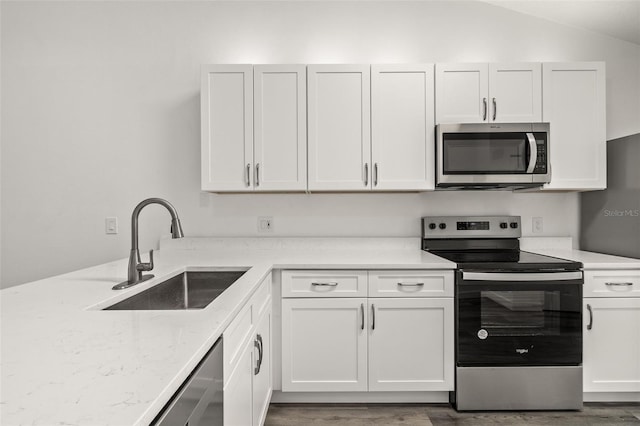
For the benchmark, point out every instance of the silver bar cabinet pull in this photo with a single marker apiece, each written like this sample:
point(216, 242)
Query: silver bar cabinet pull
point(626, 284)
point(484, 110)
point(247, 177)
point(375, 174)
point(327, 284)
point(257, 174)
point(362, 316)
point(366, 174)
point(495, 109)
point(411, 284)
point(590, 325)
point(373, 316)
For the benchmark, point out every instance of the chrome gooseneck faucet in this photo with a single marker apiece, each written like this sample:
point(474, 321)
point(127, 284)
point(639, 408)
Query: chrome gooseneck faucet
point(136, 266)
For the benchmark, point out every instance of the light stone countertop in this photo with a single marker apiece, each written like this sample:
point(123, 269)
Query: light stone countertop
point(66, 362)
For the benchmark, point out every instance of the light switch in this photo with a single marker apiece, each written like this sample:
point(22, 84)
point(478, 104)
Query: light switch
point(111, 225)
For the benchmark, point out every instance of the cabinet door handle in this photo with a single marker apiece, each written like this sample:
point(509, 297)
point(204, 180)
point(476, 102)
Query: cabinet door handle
point(257, 174)
point(362, 316)
point(328, 284)
point(625, 284)
point(495, 109)
point(590, 325)
point(375, 174)
point(366, 174)
point(411, 284)
point(484, 109)
point(247, 177)
point(258, 344)
point(373, 316)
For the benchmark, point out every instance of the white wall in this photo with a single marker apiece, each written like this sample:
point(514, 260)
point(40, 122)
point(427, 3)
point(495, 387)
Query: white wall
point(100, 109)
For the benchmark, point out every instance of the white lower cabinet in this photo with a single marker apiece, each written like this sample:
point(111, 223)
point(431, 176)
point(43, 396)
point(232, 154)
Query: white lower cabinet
point(411, 344)
point(404, 342)
point(611, 334)
point(247, 361)
point(324, 344)
point(262, 379)
point(612, 345)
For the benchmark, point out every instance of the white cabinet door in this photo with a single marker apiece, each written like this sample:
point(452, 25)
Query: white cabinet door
point(411, 344)
point(402, 121)
point(339, 127)
point(324, 345)
point(612, 346)
point(462, 93)
point(262, 382)
point(515, 92)
point(227, 124)
point(574, 103)
point(280, 131)
point(238, 394)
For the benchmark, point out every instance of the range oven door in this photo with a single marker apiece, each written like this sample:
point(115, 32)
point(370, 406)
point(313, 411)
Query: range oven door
point(518, 318)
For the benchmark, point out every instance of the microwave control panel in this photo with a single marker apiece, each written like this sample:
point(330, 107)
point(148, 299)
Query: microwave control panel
point(541, 159)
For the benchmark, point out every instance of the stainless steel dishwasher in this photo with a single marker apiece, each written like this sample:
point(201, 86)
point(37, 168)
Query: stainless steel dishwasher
point(199, 399)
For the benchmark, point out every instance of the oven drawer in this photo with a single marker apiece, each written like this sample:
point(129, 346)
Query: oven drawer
point(308, 283)
point(427, 283)
point(608, 283)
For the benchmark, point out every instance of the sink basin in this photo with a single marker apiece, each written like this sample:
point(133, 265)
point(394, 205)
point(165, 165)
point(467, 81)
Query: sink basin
point(189, 290)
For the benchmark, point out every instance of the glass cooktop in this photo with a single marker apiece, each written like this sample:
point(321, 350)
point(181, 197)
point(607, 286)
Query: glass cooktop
point(505, 260)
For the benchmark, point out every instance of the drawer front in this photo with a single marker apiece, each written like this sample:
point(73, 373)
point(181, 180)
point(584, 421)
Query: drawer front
point(235, 338)
point(429, 283)
point(346, 283)
point(262, 297)
point(612, 283)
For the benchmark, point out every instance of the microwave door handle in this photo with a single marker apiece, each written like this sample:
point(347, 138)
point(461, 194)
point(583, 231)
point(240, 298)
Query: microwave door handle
point(533, 153)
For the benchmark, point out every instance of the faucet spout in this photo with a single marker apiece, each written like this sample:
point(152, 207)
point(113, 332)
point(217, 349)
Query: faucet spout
point(136, 266)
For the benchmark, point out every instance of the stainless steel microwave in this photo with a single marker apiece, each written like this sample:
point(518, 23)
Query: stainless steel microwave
point(492, 155)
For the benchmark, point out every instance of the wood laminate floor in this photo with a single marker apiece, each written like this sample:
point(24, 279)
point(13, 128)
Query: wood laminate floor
point(593, 414)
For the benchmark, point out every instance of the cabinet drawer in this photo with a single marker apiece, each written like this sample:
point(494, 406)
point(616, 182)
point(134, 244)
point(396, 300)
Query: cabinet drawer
point(324, 283)
point(612, 283)
point(411, 283)
point(262, 297)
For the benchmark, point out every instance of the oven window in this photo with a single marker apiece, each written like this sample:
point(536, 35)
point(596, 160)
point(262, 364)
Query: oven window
point(470, 153)
point(520, 313)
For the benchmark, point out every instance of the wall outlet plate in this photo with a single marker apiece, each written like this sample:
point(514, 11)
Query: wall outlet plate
point(265, 224)
point(536, 225)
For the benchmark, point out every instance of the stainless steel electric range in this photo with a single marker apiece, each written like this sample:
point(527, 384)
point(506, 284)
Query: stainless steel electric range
point(518, 317)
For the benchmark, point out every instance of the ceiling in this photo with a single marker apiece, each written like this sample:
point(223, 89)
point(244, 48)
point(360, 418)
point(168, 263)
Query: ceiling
point(616, 18)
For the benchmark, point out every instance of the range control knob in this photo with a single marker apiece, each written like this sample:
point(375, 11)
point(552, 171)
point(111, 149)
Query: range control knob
point(443, 226)
point(432, 226)
point(514, 225)
point(503, 225)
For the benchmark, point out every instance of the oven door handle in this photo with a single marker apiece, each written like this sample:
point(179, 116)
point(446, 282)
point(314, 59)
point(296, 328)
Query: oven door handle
point(533, 153)
point(527, 276)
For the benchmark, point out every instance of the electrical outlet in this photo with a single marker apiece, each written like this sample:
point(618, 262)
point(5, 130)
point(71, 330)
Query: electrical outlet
point(111, 225)
point(537, 225)
point(265, 224)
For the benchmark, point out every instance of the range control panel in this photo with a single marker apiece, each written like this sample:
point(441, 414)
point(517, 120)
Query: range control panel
point(471, 227)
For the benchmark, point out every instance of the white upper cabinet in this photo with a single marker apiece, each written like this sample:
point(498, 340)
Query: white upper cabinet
point(227, 124)
point(402, 127)
point(574, 103)
point(339, 127)
point(462, 92)
point(280, 132)
point(515, 92)
point(484, 93)
point(253, 128)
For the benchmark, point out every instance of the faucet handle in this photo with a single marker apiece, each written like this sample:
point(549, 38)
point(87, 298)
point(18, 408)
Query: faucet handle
point(146, 266)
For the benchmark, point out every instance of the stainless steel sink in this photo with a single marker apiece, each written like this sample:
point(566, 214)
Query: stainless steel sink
point(189, 290)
